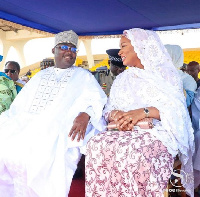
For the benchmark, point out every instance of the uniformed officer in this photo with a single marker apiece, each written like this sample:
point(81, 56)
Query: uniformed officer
point(116, 67)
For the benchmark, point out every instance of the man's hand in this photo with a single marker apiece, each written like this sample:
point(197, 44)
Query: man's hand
point(79, 126)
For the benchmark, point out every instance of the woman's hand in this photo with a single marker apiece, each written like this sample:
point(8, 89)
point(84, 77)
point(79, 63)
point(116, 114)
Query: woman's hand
point(127, 120)
point(124, 120)
point(79, 126)
point(114, 114)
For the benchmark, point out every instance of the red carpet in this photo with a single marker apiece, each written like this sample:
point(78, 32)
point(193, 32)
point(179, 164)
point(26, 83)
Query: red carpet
point(77, 188)
point(78, 183)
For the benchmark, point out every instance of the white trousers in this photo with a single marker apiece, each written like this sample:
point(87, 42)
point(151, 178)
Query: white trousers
point(13, 177)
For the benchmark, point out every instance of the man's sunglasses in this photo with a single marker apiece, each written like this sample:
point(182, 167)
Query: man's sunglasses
point(66, 48)
point(11, 71)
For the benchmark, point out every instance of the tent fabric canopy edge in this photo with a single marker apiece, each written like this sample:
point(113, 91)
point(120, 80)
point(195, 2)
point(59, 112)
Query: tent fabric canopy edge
point(98, 18)
point(42, 28)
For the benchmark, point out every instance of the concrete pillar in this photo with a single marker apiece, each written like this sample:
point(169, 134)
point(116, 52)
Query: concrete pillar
point(17, 40)
point(19, 46)
point(90, 59)
point(79, 42)
point(6, 46)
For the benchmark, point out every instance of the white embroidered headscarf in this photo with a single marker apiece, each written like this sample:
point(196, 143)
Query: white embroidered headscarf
point(158, 85)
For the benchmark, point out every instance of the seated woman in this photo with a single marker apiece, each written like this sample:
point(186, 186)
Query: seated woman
point(7, 92)
point(136, 161)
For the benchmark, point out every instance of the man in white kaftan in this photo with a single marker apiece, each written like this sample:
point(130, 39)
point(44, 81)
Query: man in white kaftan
point(48, 123)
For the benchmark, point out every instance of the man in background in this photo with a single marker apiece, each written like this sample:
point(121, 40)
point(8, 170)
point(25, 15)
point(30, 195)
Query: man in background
point(107, 77)
point(193, 70)
point(115, 62)
point(12, 69)
point(7, 91)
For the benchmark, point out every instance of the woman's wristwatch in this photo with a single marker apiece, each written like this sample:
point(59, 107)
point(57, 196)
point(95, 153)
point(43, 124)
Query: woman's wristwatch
point(146, 111)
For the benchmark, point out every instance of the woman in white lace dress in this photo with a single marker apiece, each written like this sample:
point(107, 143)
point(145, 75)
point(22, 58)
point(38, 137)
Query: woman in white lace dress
point(131, 161)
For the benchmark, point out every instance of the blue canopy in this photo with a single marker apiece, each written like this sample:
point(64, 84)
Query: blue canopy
point(102, 17)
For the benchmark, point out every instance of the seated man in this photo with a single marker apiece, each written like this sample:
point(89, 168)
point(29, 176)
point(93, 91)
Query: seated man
point(52, 118)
